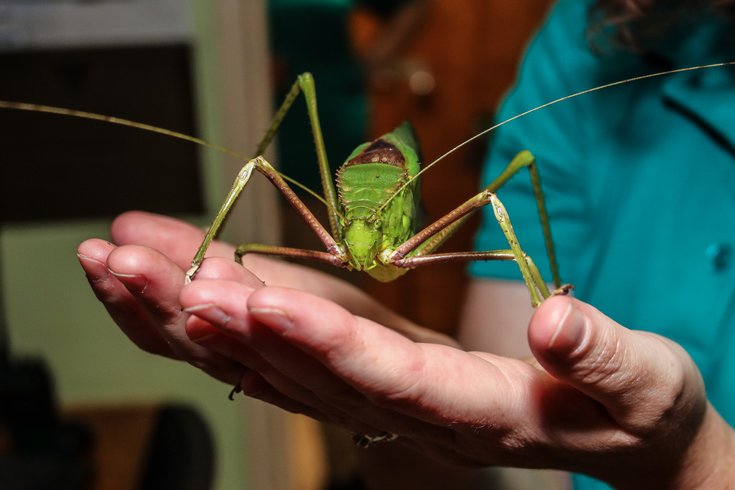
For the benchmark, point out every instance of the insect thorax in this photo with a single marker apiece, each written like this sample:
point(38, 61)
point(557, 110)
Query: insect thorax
point(376, 218)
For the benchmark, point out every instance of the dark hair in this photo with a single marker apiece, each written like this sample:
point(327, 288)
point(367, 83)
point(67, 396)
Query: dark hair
point(633, 24)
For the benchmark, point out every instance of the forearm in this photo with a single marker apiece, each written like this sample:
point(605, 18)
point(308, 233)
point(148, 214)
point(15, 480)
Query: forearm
point(708, 462)
point(711, 459)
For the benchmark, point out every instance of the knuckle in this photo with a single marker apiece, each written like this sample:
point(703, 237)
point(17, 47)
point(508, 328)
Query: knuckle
point(676, 390)
point(601, 362)
point(406, 387)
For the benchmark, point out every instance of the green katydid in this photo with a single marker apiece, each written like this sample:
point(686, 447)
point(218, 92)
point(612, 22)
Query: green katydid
point(372, 217)
point(373, 206)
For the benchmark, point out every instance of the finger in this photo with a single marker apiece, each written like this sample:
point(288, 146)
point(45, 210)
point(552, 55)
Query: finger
point(226, 269)
point(432, 392)
point(424, 382)
point(179, 241)
point(256, 386)
point(638, 377)
point(261, 381)
point(155, 282)
point(123, 308)
point(289, 370)
point(223, 303)
point(175, 239)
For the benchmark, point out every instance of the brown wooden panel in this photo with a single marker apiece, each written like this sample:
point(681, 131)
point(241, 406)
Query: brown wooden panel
point(471, 48)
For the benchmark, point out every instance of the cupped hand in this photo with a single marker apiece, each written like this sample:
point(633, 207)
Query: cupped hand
point(140, 277)
point(624, 406)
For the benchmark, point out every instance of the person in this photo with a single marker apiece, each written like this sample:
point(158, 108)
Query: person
point(637, 182)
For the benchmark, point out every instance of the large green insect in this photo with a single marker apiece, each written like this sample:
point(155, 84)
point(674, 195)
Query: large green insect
point(373, 208)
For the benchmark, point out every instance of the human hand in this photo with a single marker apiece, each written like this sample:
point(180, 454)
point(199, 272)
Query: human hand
point(140, 277)
point(627, 407)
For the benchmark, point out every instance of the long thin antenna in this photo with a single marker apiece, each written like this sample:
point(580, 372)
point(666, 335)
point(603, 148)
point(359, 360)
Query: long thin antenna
point(547, 104)
point(60, 111)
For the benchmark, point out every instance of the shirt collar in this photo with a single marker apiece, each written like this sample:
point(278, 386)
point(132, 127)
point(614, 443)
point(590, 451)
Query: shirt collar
point(706, 96)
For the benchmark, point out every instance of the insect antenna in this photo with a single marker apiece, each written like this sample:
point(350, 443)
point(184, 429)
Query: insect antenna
point(545, 105)
point(61, 111)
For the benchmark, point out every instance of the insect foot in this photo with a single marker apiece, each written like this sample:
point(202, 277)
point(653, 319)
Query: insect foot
point(191, 273)
point(563, 290)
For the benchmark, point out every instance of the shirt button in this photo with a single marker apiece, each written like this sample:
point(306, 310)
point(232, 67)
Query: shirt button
point(718, 256)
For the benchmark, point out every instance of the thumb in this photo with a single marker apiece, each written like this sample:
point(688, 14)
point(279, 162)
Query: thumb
point(638, 377)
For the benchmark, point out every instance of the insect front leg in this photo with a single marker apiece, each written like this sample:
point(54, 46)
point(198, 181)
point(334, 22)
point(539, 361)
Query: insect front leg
point(334, 255)
point(418, 250)
point(295, 253)
point(242, 179)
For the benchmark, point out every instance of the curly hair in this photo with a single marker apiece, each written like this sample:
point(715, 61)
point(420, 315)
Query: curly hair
point(633, 24)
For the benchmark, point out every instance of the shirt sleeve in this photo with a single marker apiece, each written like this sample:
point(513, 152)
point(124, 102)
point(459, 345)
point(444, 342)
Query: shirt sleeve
point(557, 63)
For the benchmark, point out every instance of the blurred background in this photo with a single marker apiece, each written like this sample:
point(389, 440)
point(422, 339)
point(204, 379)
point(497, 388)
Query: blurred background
point(81, 405)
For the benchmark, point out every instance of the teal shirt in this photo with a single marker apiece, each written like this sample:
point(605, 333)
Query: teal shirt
point(640, 186)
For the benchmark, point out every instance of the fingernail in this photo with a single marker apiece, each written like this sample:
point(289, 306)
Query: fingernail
point(93, 268)
point(569, 333)
point(210, 313)
point(274, 317)
point(134, 282)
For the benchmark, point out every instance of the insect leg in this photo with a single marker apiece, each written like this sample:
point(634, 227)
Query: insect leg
point(415, 252)
point(242, 179)
point(431, 237)
point(261, 165)
point(335, 253)
point(418, 249)
point(521, 160)
point(295, 253)
point(305, 84)
point(414, 261)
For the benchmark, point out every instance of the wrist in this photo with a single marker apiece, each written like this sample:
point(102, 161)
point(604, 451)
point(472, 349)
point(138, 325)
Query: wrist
point(709, 461)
